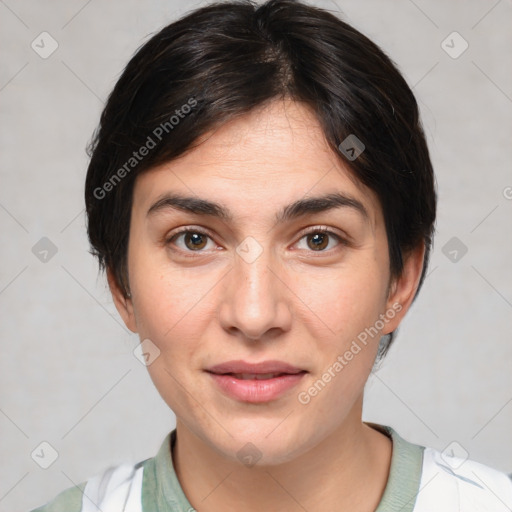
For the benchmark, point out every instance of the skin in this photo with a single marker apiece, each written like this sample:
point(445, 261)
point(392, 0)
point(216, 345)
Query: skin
point(294, 303)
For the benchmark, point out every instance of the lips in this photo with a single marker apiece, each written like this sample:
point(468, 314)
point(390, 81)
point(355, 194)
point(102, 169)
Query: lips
point(262, 368)
point(255, 376)
point(255, 382)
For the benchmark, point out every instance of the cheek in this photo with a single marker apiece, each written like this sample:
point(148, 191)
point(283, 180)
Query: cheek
point(345, 302)
point(166, 297)
point(172, 310)
point(169, 312)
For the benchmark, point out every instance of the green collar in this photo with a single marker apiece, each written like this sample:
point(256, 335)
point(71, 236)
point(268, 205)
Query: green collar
point(404, 474)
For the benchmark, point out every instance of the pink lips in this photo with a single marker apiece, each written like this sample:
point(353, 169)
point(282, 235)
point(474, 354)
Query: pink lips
point(255, 382)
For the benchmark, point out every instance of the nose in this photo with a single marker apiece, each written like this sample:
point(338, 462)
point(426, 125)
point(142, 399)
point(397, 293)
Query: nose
point(255, 302)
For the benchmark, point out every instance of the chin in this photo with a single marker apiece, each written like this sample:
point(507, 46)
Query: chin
point(260, 443)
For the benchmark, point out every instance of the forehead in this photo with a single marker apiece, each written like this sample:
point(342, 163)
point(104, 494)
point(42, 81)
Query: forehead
point(263, 160)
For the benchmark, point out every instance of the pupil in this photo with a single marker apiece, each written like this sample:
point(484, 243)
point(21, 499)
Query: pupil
point(196, 239)
point(319, 240)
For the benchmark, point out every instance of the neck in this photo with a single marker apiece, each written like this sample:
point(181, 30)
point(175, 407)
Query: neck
point(348, 470)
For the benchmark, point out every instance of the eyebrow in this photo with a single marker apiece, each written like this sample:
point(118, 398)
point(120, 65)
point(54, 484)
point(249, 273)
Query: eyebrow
point(292, 211)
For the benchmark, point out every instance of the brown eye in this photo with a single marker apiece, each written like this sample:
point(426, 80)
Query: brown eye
point(318, 240)
point(193, 240)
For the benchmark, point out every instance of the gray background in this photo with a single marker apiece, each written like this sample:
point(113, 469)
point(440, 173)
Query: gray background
point(68, 375)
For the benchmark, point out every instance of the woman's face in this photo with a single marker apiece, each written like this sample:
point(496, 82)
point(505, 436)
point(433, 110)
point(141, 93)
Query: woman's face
point(262, 328)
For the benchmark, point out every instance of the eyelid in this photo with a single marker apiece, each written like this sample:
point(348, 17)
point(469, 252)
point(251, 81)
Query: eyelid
point(188, 227)
point(323, 229)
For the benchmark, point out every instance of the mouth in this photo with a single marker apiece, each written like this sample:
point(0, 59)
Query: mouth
point(256, 376)
point(255, 382)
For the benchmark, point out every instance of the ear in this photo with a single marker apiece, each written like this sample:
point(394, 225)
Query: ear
point(123, 304)
point(403, 289)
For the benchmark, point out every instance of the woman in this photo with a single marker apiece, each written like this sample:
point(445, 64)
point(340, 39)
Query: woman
point(261, 196)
